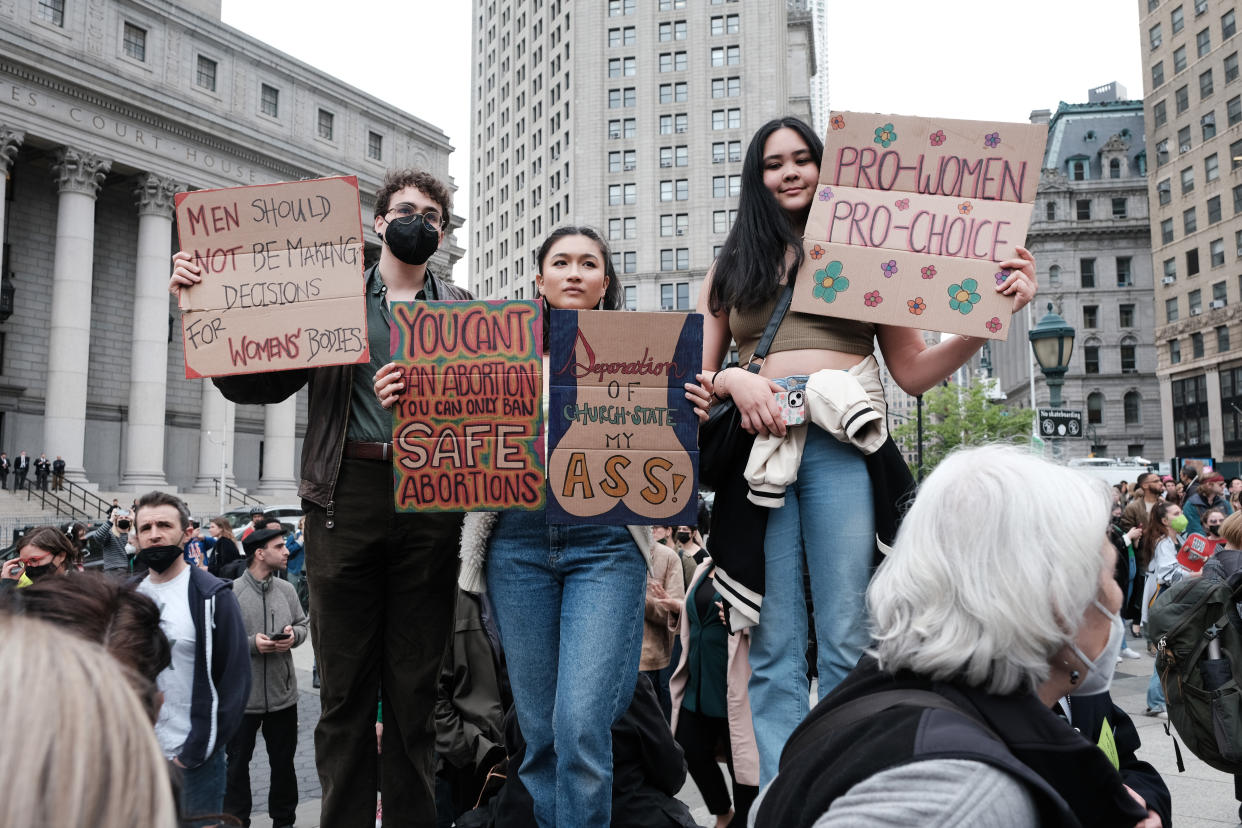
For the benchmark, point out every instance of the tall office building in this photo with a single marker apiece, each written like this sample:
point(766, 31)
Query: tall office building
point(1193, 105)
point(1089, 233)
point(628, 115)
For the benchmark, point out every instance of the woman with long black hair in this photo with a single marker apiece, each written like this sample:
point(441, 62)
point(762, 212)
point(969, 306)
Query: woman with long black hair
point(827, 516)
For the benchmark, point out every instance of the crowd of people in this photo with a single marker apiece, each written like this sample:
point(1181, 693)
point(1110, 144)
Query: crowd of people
point(502, 670)
point(44, 470)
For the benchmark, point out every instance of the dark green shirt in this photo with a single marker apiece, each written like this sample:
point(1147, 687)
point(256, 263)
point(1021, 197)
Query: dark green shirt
point(368, 421)
point(707, 662)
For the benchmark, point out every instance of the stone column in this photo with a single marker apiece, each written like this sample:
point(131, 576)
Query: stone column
point(10, 142)
point(79, 175)
point(143, 464)
point(216, 428)
point(1216, 418)
point(279, 431)
point(1166, 415)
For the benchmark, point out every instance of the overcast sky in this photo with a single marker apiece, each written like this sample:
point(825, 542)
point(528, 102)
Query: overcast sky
point(986, 59)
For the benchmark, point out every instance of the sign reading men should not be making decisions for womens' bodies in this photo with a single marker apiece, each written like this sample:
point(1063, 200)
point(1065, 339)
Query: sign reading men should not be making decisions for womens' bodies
point(911, 218)
point(623, 439)
point(282, 277)
point(468, 427)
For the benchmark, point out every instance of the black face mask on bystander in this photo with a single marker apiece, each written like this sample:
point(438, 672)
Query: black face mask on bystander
point(159, 558)
point(412, 242)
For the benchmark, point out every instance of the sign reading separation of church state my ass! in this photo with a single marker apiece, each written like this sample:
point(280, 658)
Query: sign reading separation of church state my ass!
point(623, 439)
point(282, 277)
point(911, 218)
point(468, 427)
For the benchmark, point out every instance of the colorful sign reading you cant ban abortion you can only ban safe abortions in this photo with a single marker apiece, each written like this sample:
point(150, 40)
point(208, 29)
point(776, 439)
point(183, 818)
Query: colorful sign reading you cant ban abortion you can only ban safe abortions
point(282, 277)
point(468, 427)
point(912, 217)
point(623, 439)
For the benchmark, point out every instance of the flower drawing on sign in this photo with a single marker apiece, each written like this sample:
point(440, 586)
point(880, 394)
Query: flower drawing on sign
point(916, 305)
point(991, 140)
point(1001, 276)
point(994, 324)
point(829, 282)
point(965, 207)
point(825, 194)
point(962, 298)
point(838, 122)
point(903, 204)
point(937, 138)
point(928, 272)
point(889, 268)
point(817, 252)
point(873, 298)
point(885, 135)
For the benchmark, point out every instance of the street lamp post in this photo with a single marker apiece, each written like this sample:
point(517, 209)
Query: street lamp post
point(1052, 340)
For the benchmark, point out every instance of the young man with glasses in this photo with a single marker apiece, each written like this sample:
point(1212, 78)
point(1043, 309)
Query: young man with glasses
point(382, 585)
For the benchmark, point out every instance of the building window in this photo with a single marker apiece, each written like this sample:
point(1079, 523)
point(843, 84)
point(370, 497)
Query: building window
point(1133, 404)
point(135, 41)
point(624, 127)
point(1091, 316)
point(1114, 169)
point(673, 62)
point(1054, 275)
point(1166, 231)
point(53, 11)
point(1213, 209)
point(1129, 362)
point(1091, 358)
point(1050, 211)
point(1228, 25)
point(622, 67)
point(1160, 113)
point(1170, 309)
point(631, 296)
point(375, 146)
point(1231, 68)
point(726, 24)
point(1196, 345)
point(1188, 180)
point(624, 36)
point(1233, 110)
point(1164, 192)
point(1175, 351)
point(269, 100)
point(1079, 169)
point(1189, 222)
point(1086, 268)
point(1216, 252)
point(205, 74)
point(622, 98)
point(617, 8)
point(1125, 315)
point(675, 30)
point(726, 87)
point(1176, 20)
point(1155, 37)
point(1162, 152)
point(1195, 300)
point(1219, 294)
point(1192, 262)
point(675, 296)
point(1157, 73)
point(1190, 415)
point(1095, 408)
point(1205, 84)
point(1181, 100)
point(326, 120)
point(1179, 59)
point(1124, 278)
point(1208, 125)
point(1222, 339)
point(1083, 208)
point(1170, 268)
point(1203, 42)
point(1119, 205)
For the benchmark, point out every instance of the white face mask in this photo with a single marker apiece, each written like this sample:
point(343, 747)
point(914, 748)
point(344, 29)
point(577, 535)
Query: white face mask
point(1100, 674)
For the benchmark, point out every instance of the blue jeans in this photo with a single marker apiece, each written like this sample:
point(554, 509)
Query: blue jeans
point(202, 789)
point(569, 602)
point(1155, 693)
point(828, 521)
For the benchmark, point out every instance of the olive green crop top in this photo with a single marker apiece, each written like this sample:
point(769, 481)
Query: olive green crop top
point(799, 330)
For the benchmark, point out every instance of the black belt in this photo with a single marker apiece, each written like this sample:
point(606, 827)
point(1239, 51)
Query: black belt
point(368, 451)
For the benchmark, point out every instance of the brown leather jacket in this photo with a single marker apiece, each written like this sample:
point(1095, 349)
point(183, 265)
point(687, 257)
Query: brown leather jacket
point(327, 409)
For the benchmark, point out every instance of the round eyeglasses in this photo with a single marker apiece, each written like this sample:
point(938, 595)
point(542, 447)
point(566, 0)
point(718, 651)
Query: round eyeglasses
point(405, 213)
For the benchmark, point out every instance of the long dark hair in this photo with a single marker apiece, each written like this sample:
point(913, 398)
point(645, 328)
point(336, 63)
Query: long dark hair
point(751, 262)
point(612, 293)
point(1153, 533)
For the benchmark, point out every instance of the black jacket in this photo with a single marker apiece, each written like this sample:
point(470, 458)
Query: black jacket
point(1071, 781)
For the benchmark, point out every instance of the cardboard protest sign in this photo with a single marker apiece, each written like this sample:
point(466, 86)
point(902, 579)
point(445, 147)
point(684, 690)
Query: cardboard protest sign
point(622, 438)
point(468, 429)
point(911, 218)
point(282, 277)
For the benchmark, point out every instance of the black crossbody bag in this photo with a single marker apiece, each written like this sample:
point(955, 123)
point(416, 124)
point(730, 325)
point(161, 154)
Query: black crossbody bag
point(722, 440)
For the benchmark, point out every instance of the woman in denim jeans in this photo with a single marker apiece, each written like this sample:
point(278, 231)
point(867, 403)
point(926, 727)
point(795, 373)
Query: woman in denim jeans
point(827, 517)
point(569, 598)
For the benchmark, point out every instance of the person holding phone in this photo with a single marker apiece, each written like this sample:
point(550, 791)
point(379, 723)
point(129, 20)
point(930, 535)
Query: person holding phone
point(112, 537)
point(275, 624)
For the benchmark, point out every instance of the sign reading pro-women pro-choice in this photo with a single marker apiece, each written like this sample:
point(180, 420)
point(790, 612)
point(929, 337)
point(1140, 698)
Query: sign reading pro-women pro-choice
point(622, 438)
point(282, 277)
point(912, 217)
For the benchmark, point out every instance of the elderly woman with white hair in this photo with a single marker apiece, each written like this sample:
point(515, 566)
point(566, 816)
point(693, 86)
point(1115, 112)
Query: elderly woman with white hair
point(987, 611)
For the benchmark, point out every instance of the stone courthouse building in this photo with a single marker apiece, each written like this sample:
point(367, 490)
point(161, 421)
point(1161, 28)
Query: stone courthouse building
point(107, 109)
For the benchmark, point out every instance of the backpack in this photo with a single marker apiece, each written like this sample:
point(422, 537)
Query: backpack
point(1198, 636)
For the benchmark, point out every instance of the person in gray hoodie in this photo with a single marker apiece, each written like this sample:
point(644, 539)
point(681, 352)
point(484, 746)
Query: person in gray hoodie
point(275, 624)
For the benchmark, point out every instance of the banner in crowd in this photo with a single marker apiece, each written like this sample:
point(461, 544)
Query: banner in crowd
point(282, 280)
point(622, 437)
point(468, 428)
point(912, 217)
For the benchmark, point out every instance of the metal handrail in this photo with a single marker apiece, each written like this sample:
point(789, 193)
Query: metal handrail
point(235, 493)
point(63, 506)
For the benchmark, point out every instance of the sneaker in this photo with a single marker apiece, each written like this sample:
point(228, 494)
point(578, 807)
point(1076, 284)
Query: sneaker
point(1126, 652)
point(1156, 714)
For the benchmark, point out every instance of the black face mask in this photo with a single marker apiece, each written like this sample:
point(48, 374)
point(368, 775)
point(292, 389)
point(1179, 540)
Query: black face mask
point(683, 537)
point(159, 558)
point(412, 242)
point(34, 573)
